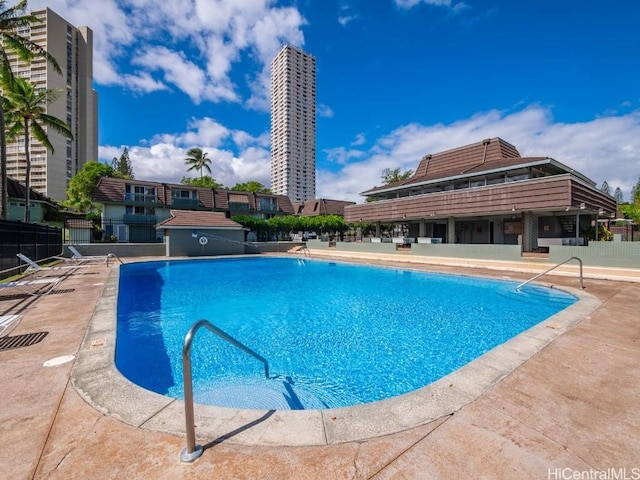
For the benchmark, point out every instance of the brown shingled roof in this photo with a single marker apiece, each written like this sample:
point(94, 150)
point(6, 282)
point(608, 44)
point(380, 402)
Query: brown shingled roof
point(460, 160)
point(78, 223)
point(284, 204)
point(112, 190)
point(15, 189)
point(192, 219)
point(109, 190)
point(475, 158)
point(321, 206)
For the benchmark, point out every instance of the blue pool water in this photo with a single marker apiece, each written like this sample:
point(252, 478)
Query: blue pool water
point(334, 334)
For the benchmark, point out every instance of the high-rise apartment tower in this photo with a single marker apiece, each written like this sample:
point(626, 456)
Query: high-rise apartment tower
point(77, 104)
point(293, 124)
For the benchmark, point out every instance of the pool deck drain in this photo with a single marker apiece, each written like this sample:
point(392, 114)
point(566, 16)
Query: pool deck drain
point(573, 405)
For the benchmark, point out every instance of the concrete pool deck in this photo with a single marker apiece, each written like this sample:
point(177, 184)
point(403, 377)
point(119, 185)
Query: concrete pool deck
point(573, 405)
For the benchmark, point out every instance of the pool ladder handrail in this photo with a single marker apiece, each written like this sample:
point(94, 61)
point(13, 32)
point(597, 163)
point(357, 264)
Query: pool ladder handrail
point(193, 451)
point(552, 268)
point(113, 255)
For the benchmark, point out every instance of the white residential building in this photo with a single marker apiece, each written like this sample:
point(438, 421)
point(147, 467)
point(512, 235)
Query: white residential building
point(293, 124)
point(77, 104)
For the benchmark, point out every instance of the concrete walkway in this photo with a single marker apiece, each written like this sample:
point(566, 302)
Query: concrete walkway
point(573, 405)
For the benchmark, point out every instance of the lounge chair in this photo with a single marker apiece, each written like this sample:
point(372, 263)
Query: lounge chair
point(34, 267)
point(77, 256)
point(8, 323)
point(31, 287)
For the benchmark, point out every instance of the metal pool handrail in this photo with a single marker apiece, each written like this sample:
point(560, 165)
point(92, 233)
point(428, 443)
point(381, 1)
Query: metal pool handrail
point(193, 451)
point(552, 268)
point(113, 255)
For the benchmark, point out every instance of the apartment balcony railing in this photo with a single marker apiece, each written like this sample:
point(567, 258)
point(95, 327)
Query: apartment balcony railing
point(185, 202)
point(268, 209)
point(140, 198)
point(130, 218)
point(239, 207)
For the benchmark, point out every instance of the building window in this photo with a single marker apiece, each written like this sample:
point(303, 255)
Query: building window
point(131, 210)
point(140, 193)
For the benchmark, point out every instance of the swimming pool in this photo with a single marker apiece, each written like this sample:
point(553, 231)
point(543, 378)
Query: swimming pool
point(334, 334)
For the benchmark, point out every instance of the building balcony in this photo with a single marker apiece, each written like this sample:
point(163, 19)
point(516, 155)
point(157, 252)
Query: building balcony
point(185, 202)
point(140, 198)
point(131, 219)
point(239, 207)
point(267, 211)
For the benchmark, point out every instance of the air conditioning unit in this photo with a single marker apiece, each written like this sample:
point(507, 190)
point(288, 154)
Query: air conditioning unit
point(122, 232)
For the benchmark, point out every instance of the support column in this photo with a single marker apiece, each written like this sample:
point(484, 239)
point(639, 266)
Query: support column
point(422, 228)
point(378, 229)
point(451, 230)
point(527, 232)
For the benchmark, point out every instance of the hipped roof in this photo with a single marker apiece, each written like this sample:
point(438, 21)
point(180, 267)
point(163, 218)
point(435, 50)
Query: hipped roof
point(197, 219)
point(489, 154)
point(15, 189)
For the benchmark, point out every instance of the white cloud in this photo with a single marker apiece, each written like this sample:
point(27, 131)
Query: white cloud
point(346, 13)
point(236, 156)
point(215, 36)
point(341, 155)
point(407, 4)
point(143, 83)
point(177, 69)
point(345, 19)
point(277, 27)
point(360, 139)
point(324, 110)
point(605, 148)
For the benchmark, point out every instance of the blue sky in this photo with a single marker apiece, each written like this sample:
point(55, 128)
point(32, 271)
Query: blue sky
point(396, 80)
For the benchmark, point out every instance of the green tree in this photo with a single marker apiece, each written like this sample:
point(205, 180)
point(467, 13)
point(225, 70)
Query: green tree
point(207, 181)
point(257, 225)
point(197, 160)
point(393, 176)
point(10, 42)
point(334, 224)
point(635, 193)
point(630, 211)
point(25, 108)
point(83, 185)
point(618, 195)
point(251, 186)
point(604, 235)
point(123, 164)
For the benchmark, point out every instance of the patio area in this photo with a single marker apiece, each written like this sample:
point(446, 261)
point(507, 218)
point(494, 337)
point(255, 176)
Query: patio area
point(573, 405)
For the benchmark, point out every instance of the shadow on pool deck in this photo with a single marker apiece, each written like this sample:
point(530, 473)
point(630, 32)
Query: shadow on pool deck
point(572, 405)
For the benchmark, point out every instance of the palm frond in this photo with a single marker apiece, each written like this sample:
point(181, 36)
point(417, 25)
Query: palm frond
point(39, 134)
point(56, 125)
point(14, 131)
point(22, 103)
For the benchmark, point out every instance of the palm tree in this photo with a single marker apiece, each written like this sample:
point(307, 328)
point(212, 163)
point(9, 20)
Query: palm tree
point(10, 42)
point(25, 108)
point(198, 160)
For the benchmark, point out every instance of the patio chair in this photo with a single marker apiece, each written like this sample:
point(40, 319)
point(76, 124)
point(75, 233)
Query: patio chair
point(34, 267)
point(77, 256)
point(31, 287)
point(8, 323)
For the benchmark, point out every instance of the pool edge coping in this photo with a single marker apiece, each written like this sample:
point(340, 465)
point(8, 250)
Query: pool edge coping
point(98, 381)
